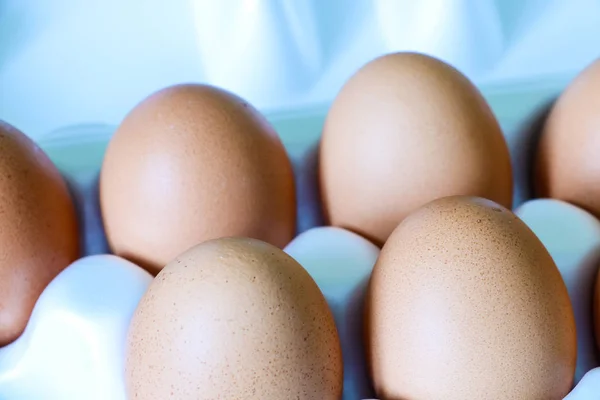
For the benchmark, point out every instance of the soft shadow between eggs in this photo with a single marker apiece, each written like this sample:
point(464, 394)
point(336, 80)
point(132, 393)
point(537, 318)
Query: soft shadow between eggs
point(308, 194)
point(77, 198)
point(85, 195)
point(525, 151)
point(356, 317)
point(586, 315)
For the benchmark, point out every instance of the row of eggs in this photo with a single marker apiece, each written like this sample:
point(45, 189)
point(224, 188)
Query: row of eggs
point(459, 283)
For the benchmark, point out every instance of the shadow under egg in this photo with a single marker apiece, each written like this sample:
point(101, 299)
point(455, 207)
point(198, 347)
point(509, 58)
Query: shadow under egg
point(523, 153)
point(356, 367)
point(85, 195)
point(308, 195)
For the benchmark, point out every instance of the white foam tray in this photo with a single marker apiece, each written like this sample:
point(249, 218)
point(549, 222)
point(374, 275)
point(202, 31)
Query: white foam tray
point(69, 72)
point(66, 62)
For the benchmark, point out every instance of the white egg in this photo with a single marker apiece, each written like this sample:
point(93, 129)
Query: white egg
point(341, 262)
point(572, 236)
point(588, 387)
point(73, 347)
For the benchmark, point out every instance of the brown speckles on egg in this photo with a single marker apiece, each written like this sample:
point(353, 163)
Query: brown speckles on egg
point(266, 334)
point(466, 302)
point(38, 229)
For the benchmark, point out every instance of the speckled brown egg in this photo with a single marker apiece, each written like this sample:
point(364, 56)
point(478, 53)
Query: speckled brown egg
point(38, 231)
point(233, 318)
point(192, 163)
point(466, 303)
point(404, 130)
point(567, 165)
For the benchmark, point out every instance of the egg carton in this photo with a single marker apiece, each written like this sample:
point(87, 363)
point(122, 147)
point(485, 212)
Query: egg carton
point(74, 344)
point(100, 58)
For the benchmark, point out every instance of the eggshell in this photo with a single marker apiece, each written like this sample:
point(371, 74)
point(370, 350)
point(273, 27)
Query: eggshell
point(73, 347)
point(233, 318)
point(567, 163)
point(341, 262)
point(572, 236)
point(465, 302)
point(38, 232)
point(588, 388)
point(406, 129)
point(192, 163)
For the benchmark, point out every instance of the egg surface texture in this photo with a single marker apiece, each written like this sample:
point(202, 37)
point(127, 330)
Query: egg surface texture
point(404, 130)
point(38, 233)
point(233, 318)
point(466, 303)
point(192, 163)
point(567, 164)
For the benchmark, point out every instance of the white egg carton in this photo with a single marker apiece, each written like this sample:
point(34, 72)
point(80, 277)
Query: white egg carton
point(66, 62)
point(73, 347)
point(101, 58)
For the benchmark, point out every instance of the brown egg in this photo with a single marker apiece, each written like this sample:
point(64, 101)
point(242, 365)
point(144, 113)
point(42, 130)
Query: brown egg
point(567, 165)
point(465, 302)
point(38, 233)
point(192, 163)
point(406, 129)
point(233, 318)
